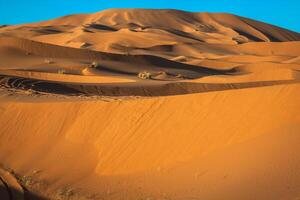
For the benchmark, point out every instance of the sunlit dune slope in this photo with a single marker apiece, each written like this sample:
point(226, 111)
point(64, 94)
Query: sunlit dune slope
point(165, 138)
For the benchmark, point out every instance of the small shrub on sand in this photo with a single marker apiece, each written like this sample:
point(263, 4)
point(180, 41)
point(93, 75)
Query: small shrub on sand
point(66, 193)
point(61, 71)
point(28, 92)
point(179, 76)
point(144, 75)
point(94, 65)
point(26, 180)
point(48, 61)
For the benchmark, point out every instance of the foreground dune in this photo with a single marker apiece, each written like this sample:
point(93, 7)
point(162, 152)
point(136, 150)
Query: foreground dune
point(218, 145)
point(123, 105)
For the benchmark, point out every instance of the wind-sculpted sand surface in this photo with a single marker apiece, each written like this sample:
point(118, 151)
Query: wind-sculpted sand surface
point(149, 105)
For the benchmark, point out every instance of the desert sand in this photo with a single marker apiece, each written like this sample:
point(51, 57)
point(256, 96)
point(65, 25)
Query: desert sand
point(133, 104)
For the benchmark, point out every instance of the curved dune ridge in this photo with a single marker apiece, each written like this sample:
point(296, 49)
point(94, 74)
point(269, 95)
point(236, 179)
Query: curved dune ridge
point(35, 60)
point(139, 104)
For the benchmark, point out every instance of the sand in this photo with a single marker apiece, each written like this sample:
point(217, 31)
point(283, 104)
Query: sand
point(215, 118)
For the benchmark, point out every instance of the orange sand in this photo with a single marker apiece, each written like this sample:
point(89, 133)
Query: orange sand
point(217, 118)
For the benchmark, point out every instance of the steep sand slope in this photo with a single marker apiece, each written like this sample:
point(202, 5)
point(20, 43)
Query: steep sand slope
point(215, 145)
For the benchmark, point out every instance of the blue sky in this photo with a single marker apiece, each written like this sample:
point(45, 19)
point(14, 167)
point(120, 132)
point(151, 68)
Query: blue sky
point(284, 13)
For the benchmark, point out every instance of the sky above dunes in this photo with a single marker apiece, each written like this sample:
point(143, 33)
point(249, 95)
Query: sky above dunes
point(284, 13)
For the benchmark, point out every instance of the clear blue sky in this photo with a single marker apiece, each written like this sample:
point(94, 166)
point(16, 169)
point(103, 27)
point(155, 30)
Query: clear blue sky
point(284, 13)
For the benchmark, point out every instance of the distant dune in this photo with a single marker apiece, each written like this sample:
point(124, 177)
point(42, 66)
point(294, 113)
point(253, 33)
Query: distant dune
point(149, 105)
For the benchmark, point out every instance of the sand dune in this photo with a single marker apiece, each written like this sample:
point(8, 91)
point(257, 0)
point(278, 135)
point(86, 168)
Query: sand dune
point(121, 104)
point(151, 147)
